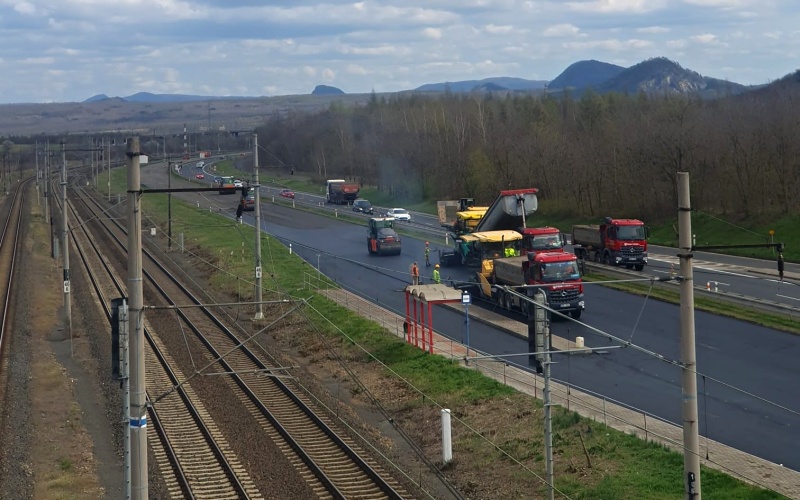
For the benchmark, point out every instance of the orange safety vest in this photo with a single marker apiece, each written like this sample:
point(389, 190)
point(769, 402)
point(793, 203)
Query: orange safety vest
point(414, 270)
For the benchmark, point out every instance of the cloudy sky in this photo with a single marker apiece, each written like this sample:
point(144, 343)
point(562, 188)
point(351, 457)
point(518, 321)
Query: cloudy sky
point(69, 50)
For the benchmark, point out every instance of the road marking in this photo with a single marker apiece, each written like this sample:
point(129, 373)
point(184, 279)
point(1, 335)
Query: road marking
point(787, 297)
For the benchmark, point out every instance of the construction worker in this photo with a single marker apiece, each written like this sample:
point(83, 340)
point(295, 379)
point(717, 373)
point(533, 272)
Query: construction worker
point(427, 254)
point(780, 265)
point(414, 274)
point(437, 278)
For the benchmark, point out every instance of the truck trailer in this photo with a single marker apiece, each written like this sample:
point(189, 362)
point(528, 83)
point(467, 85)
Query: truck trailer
point(616, 242)
point(341, 192)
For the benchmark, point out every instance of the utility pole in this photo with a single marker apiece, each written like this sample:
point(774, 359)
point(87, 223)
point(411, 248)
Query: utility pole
point(543, 341)
point(169, 203)
point(65, 243)
point(36, 154)
point(691, 440)
point(257, 186)
point(138, 407)
point(108, 159)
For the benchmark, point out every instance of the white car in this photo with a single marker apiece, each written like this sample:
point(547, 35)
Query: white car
point(399, 214)
point(238, 183)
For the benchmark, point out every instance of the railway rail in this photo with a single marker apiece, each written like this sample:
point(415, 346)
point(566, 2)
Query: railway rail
point(9, 244)
point(333, 466)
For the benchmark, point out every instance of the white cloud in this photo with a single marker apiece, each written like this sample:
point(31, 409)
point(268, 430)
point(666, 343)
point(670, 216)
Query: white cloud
point(328, 74)
point(725, 4)
point(38, 60)
point(612, 45)
point(655, 30)
point(355, 69)
point(498, 30)
point(25, 8)
point(432, 33)
point(613, 6)
point(561, 30)
point(705, 38)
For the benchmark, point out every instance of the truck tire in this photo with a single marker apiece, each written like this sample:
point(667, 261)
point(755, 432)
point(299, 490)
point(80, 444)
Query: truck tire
point(576, 314)
point(639, 267)
point(607, 259)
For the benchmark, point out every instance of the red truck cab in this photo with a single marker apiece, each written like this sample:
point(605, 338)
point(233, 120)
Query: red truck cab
point(542, 239)
point(560, 270)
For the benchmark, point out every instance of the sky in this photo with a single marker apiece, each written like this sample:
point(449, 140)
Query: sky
point(70, 50)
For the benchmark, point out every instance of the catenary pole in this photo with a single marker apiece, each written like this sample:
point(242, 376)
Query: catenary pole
point(257, 187)
point(138, 408)
point(691, 440)
point(65, 243)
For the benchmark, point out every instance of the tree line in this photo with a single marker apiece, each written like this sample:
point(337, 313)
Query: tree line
point(589, 155)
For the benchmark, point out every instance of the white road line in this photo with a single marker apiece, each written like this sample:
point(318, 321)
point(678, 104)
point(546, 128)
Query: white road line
point(787, 297)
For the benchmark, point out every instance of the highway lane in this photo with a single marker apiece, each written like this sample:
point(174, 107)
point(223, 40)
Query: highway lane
point(756, 359)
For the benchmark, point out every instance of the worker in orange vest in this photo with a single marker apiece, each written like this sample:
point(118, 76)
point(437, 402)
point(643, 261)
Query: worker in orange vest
point(414, 274)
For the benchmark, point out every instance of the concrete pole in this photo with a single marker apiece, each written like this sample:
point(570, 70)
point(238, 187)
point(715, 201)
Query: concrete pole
point(169, 203)
point(108, 160)
point(257, 187)
point(138, 419)
point(542, 332)
point(65, 244)
point(691, 440)
point(36, 154)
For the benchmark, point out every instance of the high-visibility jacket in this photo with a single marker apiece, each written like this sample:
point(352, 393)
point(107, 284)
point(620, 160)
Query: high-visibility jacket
point(437, 278)
point(414, 270)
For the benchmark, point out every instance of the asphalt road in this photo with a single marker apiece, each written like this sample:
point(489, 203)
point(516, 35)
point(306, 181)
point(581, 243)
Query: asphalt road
point(760, 363)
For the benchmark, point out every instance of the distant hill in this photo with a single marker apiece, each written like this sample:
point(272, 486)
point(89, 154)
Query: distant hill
point(98, 97)
point(493, 84)
point(584, 74)
point(658, 75)
point(326, 90)
point(148, 97)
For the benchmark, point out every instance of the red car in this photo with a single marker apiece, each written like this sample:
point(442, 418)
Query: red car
point(287, 193)
point(199, 176)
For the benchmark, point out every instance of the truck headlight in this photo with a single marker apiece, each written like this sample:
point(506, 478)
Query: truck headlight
point(582, 304)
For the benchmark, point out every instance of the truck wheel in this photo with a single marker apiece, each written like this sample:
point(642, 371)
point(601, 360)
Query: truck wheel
point(639, 267)
point(628, 266)
point(607, 259)
point(380, 250)
point(576, 314)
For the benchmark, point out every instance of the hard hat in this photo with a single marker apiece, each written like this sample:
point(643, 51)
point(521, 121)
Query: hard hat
point(436, 266)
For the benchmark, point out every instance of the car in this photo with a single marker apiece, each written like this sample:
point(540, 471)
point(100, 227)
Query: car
point(249, 203)
point(238, 183)
point(363, 206)
point(199, 176)
point(399, 214)
point(286, 193)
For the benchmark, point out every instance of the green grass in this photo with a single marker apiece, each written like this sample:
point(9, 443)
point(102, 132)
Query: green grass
point(624, 466)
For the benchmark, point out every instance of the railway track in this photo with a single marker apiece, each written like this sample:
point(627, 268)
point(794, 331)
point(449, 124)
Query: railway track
point(185, 441)
point(332, 465)
point(9, 243)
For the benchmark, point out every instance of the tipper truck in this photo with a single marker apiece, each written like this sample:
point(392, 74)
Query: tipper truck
point(542, 239)
point(459, 216)
point(556, 273)
point(616, 242)
point(341, 192)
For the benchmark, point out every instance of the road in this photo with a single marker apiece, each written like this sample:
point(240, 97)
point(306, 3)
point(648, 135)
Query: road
point(760, 363)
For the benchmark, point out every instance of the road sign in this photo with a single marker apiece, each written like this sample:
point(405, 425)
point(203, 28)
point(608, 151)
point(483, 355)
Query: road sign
point(66, 287)
point(465, 297)
point(258, 272)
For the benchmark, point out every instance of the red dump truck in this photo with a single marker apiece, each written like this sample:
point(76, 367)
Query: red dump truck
point(616, 242)
point(341, 192)
point(556, 273)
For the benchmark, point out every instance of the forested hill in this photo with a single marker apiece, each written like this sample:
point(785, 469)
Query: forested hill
point(597, 155)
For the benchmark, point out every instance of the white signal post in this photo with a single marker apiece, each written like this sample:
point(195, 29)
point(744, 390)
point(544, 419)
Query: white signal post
point(259, 306)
